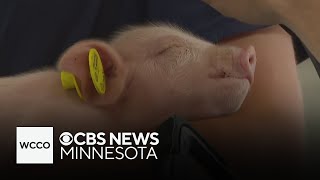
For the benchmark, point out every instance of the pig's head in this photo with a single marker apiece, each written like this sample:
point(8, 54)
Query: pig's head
point(156, 71)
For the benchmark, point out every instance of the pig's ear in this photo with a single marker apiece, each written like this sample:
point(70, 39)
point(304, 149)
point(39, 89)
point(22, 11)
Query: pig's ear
point(75, 60)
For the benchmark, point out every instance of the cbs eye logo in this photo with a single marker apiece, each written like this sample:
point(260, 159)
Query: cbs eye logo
point(66, 138)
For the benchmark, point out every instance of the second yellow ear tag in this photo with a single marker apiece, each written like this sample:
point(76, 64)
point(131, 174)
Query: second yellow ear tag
point(69, 81)
point(96, 71)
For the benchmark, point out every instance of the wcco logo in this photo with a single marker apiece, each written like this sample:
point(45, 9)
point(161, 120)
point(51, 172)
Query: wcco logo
point(34, 145)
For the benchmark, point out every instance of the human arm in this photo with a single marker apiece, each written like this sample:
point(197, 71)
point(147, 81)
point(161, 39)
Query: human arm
point(299, 16)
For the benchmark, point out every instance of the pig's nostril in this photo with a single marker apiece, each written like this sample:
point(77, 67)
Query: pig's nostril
point(252, 55)
point(248, 62)
point(251, 60)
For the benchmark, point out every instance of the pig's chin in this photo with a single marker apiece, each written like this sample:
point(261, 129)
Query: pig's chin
point(224, 97)
point(232, 93)
point(236, 80)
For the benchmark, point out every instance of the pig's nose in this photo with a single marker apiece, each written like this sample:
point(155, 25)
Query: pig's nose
point(248, 61)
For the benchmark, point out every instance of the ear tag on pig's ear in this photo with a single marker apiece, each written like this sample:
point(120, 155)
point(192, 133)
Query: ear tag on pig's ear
point(97, 71)
point(69, 81)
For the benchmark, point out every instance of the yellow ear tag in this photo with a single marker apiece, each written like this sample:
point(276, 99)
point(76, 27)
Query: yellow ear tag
point(96, 71)
point(68, 81)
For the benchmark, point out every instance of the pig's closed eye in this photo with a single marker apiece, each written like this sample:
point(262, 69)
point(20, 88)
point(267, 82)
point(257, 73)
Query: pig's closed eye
point(166, 49)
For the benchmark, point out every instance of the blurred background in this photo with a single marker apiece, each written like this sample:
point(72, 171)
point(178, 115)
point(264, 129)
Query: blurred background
point(310, 83)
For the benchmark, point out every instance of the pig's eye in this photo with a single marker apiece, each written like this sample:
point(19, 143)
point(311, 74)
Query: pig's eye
point(167, 48)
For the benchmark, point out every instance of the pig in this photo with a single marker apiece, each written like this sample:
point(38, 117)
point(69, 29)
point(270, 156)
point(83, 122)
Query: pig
point(152, 72)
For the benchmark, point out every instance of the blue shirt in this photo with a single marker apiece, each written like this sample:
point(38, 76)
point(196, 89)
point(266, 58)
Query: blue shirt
point(34, 33)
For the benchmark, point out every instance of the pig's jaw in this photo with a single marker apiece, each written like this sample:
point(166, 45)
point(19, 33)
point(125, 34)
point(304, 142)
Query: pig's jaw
point(140, 107)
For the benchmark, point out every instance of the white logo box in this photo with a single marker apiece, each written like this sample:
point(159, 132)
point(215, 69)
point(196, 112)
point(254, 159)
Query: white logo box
point(34, 145)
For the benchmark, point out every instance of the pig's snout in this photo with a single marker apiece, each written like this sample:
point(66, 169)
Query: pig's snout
point(247, 58)
point(234, 62)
